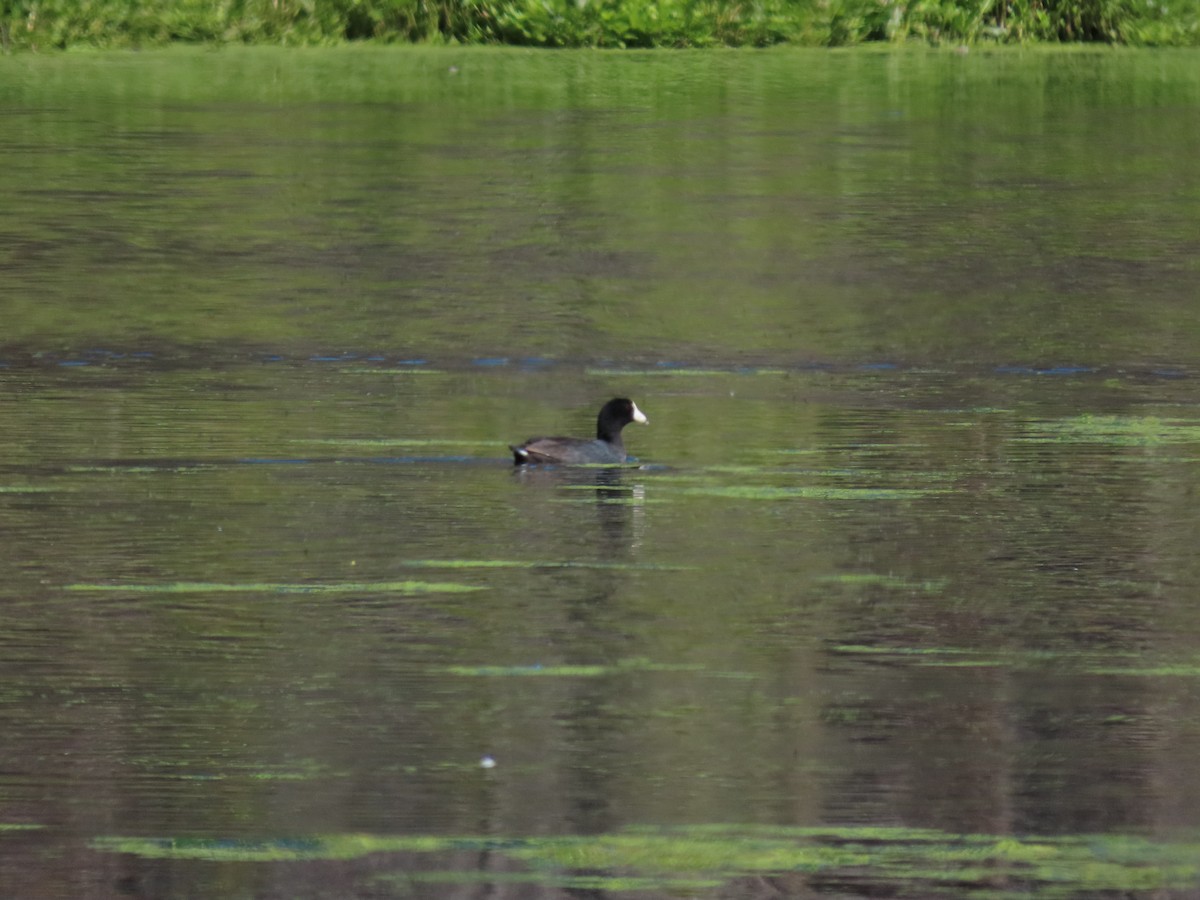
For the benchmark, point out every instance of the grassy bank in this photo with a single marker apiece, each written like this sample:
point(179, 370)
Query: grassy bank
point(59, 24)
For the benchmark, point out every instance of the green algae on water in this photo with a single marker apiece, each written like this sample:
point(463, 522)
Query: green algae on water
point(1163, 670)
point(1125, 431)
point(1089, 661)
point(854, 579)
point(538, 564)
point(572, 671)
point(211, 587)
point(900, 859)
point(766, 492)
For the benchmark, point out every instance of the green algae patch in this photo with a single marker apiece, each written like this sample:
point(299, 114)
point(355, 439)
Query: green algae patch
point(1090, 662)
point(240, 773)
point(930, 657)
point(138, 470)
point(680, 852)
point(895, 582)
point(571, 671)
point(283, 850)
point(775, 483)
point(538, 564)
point(1125, 431)
point(767, 492)
point(216, 587)
point(868, 650)
point(892, 859)
point(19, 826)
point(540, 671)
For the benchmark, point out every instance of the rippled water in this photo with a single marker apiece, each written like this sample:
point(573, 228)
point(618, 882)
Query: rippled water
point(898, 599)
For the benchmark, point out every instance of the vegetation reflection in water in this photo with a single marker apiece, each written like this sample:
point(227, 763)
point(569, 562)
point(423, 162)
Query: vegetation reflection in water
point(938, 862)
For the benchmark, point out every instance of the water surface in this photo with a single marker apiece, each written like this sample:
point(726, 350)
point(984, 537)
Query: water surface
point(898, 599)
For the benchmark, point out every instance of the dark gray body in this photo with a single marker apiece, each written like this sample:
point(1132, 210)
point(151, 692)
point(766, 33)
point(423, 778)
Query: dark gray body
point(606, 449)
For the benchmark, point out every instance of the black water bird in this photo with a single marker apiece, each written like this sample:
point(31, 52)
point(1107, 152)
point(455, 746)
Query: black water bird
point(606, 449)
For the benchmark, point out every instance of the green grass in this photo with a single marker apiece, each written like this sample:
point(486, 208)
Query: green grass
point(50, 24)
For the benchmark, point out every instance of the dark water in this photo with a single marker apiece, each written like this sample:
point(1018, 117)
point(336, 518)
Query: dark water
point(900, 602)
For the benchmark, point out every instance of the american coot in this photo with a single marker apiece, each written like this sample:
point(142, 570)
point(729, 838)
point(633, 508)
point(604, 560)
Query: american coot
point(606, 448)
